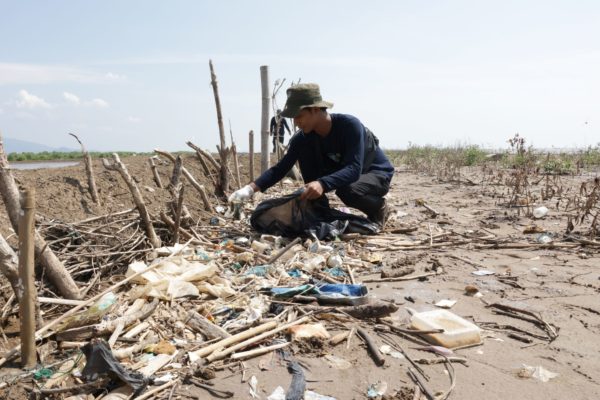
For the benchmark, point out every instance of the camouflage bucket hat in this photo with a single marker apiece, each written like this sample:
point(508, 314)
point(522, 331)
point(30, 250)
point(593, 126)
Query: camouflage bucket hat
point(302, 96)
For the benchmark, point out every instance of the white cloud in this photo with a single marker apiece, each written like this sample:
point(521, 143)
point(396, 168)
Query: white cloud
point(114, 77)
point(99, 103)
point(31, 101)
point(135, 120)
point(71, 98)
point(35, 74)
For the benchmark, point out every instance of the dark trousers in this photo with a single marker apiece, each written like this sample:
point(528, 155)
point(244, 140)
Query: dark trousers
point(366, 194)
point(275, 137)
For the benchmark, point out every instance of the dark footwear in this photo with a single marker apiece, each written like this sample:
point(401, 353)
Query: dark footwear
point(381, 216)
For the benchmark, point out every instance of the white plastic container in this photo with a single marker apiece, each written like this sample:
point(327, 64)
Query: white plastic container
point(540, 212)
point(458, 332)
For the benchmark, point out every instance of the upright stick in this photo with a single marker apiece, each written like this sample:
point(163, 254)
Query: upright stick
point(89, 170)
point(224, 151)
point(251, 155)
point(28, 300)
point(155, 172)
point(264, 122)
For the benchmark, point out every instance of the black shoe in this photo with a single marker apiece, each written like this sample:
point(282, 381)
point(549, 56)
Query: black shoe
point(382, 215)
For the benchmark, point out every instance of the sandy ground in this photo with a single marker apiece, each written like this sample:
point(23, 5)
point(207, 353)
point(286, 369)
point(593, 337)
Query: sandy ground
point(562, 284)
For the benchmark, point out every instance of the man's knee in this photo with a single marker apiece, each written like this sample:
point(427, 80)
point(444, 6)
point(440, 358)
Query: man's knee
point(346, 194)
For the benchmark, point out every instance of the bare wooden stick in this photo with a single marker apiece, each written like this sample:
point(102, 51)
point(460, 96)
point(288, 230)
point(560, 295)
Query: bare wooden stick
point(371, 346)
point(206, 155)
point(257, 352)
point(284, 250)
point(248, 333)
point(236, 165)
point(118, 166)
point(154, 169)
point(224, 151)
point(264, 120)
point(54, 268)
point(191, 180)
point(402, 278)
point(89, 170)
point(220, 354)
point(29, 298)
point(178, 216)
point(251, 155)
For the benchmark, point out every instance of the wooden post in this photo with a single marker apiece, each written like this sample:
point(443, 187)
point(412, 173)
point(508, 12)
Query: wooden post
point(155, 173)
point(264, 121)
point(89, 170)
point(223, 185)
point(29, 298)
point(251, 154)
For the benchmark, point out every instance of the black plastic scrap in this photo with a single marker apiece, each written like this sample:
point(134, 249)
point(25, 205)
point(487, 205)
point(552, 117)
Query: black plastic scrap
point(101, 362)
point(290, 217)
point(298, 385)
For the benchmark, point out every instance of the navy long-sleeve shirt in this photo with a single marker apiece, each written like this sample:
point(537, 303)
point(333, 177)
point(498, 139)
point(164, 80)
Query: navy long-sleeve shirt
point(335, 160)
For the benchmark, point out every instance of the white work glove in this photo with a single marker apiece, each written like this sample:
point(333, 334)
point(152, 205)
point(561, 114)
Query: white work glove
point(242, 195)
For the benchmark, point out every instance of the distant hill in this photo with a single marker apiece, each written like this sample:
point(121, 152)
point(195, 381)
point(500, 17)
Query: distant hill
point(21, 146)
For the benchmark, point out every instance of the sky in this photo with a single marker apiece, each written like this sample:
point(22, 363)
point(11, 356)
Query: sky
point(134, 75)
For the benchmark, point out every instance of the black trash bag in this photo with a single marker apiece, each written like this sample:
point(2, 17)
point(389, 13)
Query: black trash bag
point(288, 216)
point(100, 361)
point(298, 385)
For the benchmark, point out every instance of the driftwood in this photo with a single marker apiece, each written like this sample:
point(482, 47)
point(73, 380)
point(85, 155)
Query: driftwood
point(202, 325)
point(190, 178)
point(106, 328)
point(53, 267)
point(118, 166)
point(402, 278)
point(371, 346)
point(378, 309)
point(397, 272)
point(43, 331)
point(203, 352)
point(155, 174)
point(89, 170)
point(8, 266)
point(203, 154)
point(224, 151)
point(220, 354)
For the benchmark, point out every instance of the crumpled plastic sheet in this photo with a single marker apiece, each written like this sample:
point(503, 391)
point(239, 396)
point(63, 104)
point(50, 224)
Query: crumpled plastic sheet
point(100, 361)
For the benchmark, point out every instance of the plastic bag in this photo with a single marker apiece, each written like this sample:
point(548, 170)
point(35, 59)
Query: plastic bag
point(101, 361)
point(290, 217)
